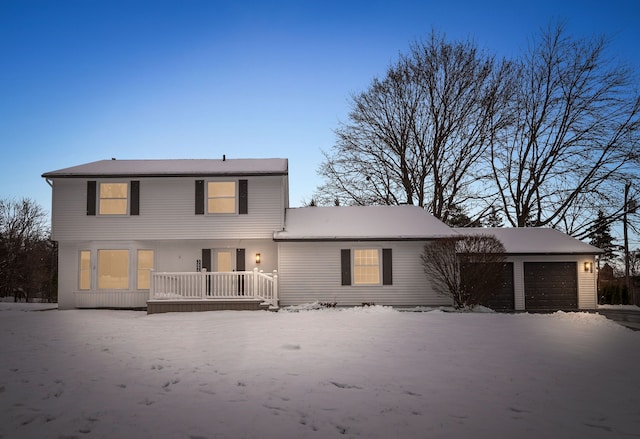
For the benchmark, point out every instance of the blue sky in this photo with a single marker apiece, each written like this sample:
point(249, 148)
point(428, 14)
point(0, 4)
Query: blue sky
point(86, 80)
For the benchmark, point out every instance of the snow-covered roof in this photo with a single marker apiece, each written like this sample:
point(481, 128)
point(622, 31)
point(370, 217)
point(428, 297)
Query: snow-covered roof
point(534, 240)
point(173, 168)
point(361, 223)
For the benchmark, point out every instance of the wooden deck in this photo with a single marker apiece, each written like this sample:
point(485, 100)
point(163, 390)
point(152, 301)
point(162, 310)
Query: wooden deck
point(212, 291)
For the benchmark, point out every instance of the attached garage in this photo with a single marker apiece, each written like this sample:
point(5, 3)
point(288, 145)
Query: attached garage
point(371, 254)
point(503, 300)
point(550, 270)
point(550, 286)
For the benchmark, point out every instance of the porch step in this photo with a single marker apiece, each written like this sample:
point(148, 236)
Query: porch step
point(162, 306)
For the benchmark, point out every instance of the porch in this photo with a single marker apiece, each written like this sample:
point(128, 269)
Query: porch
point(212, 291)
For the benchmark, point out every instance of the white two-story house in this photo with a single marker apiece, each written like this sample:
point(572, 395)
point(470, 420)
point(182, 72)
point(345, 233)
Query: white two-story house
point(119, 221)
point(188, 235)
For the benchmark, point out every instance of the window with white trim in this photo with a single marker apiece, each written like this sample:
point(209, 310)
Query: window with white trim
point(113, 198)
point(366, 266)
point(113, 269)
point(85, 270)
point(221, 197)
point(145, 265)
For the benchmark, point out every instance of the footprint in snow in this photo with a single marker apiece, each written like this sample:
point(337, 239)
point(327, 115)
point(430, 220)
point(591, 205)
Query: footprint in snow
point(169, 384)
point(345, 386)
point(599, 427)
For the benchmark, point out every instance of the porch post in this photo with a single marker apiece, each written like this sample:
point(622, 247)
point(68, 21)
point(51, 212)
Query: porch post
point(203, 283)
point(254, 291)
point(275, 287)
point(152, 284)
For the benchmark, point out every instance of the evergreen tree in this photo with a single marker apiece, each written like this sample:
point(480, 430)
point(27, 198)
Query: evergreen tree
point(601, 237)
point(494, 219)
point(457, 217)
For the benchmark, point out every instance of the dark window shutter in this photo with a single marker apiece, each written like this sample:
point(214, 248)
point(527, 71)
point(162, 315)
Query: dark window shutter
point(206, 258)
point(134, 208)
point(387, 270)
point(240, 259)
point(240, 266)
point(345, 264)
point(199, 197)
point(91, 197)
point(243, 197)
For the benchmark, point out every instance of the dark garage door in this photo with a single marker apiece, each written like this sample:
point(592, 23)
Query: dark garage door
point(550, 286)
point(503, 299)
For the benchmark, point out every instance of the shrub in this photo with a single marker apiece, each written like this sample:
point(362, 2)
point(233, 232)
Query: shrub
point(469, 268)
point(614, 295)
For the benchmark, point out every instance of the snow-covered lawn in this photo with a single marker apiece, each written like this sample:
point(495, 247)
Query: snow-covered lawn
point(364, 372)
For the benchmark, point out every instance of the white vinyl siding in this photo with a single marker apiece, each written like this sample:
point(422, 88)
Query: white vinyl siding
point(310, 271)
point(167, 212)
point(109, 299)
point(587, 290)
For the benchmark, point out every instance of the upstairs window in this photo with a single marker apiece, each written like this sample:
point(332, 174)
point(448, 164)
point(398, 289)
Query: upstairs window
point(221, 197)
point(113, 198)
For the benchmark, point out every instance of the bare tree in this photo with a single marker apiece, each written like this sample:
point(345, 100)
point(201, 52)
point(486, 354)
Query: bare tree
point(482, 263)
point(440, 263)
point(469, 269)
point(23, 257)
point(416, 136)
point(634, 262)
point(574, 136)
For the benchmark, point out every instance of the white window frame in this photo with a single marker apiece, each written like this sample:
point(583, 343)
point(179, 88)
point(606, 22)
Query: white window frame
point(353, 266)
point(236, 197)
point(126, 198)
point(149, 269)
point(87, 271)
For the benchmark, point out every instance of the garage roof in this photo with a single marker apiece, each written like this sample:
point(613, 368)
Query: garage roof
point(534, 240)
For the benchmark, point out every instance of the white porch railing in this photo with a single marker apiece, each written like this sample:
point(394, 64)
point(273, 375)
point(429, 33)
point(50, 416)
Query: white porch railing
point(206, 285)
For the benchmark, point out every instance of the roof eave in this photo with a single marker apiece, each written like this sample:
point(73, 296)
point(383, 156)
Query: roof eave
point(359, 239)
point(163, 175)
point(580, 253)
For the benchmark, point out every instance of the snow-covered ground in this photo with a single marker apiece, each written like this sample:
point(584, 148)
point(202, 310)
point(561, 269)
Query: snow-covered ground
point(363, 372)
